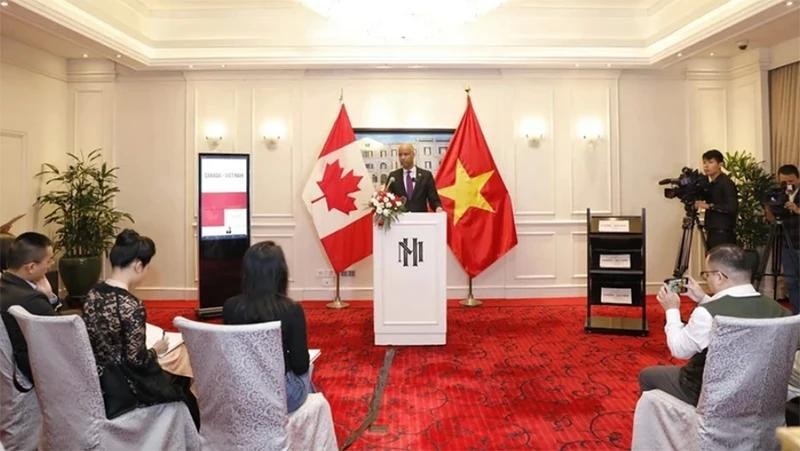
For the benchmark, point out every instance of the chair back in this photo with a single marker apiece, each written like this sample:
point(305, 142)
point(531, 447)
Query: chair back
point(20, 416)
point(65, 374)
point(745, 381)
point(239, 375)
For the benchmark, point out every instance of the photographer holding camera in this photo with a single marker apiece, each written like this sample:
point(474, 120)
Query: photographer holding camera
point(727, 274)
point(721, 203)
point(784, 205)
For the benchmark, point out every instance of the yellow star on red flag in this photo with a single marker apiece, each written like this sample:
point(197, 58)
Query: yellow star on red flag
point(466, 192)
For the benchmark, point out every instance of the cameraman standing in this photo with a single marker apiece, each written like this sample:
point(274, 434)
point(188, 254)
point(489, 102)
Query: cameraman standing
point(789, 178)
point(721, 204)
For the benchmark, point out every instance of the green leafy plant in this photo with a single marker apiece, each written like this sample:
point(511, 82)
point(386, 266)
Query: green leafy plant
point(752, 181)
point(82, 205)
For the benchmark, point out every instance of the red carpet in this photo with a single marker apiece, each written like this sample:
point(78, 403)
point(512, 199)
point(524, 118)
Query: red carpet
point(514, 375)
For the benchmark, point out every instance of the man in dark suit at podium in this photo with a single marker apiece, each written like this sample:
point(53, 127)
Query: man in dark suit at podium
point(413, 183)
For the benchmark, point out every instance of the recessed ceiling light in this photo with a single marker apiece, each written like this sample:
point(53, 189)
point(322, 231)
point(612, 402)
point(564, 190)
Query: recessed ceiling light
point(680, 53)
point(608, 64)
point(711, 54)
point(191, 66)
point(577, 64)
point(3, 3)
point(787, 3)
point(221, 65)
point(119, 56)
point(85, 55)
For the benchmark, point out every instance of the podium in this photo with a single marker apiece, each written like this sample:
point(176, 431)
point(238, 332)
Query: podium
point(410, 280)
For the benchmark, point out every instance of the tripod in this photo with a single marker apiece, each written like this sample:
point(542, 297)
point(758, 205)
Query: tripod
point(685, 249)
point(775, 240)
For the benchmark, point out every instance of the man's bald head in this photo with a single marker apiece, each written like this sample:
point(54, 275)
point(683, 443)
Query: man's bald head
point(406, 153)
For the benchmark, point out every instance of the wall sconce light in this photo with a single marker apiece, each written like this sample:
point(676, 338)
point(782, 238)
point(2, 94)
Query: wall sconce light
point(214, 133)
point(590, 130)
point(271, 133)
point(533, 129)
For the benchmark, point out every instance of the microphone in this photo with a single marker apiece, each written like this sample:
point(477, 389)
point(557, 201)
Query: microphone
point(388, 182)
point(669, 181)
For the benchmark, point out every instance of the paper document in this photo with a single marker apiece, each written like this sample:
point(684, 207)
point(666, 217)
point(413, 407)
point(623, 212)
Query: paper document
point(154, 333)
point(313, 354)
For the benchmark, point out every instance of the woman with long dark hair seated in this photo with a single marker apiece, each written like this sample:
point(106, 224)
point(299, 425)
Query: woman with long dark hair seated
point(115, 320)
point(265, 278)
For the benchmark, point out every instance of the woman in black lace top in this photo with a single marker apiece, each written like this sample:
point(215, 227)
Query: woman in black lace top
point(115, 321)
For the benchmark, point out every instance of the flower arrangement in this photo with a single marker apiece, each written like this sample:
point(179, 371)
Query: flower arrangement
point(386, 207)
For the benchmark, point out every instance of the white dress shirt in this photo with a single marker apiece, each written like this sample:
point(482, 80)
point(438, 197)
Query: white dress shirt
point(684, 341)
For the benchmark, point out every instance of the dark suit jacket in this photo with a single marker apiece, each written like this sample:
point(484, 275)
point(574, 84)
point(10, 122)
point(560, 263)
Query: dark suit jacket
point(425, 193)
point(16, 291)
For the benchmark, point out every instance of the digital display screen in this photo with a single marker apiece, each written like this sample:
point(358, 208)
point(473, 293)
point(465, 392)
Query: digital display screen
point(223, 196)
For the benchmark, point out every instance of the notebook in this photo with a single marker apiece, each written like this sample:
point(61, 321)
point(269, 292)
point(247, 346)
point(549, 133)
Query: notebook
point(154, 333)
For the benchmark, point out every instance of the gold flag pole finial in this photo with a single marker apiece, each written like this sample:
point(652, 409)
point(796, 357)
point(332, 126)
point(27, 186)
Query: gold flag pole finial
point(341, 95)
point(467, 89)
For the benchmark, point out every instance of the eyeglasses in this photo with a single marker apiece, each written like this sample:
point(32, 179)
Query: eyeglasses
point(705, 274)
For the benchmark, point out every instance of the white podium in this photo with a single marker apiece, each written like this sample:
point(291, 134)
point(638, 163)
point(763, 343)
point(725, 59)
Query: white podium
point(410, 280)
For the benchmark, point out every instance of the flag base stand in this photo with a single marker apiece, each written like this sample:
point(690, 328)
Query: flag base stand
point(337, 300)
point(470, 301)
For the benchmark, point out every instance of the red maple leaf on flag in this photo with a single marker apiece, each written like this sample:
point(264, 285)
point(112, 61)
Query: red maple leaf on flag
point(336, 188)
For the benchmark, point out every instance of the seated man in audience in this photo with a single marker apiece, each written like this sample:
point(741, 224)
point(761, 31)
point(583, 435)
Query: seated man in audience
point(24, 284)
point(728, 276)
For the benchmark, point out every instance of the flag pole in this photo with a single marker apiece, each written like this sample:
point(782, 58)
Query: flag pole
point(470, 301)
point(337, 300)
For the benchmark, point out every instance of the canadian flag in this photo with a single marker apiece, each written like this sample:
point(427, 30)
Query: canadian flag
point(337, 194)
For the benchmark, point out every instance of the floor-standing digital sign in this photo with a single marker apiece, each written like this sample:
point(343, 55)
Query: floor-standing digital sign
point(223, 227)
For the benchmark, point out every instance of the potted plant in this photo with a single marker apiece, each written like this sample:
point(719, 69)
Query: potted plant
point(82, 209)
point(752, 181)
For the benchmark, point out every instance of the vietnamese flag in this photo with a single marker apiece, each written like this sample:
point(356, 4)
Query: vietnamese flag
point(480, 219)
point(336, 193)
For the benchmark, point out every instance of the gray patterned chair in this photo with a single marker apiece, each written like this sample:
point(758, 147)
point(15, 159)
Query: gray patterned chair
point(68, 390)
point(20, 416)
point(241, 386)
point(743, 395)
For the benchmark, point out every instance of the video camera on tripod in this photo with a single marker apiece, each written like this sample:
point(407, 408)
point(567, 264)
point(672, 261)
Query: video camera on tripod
point(691, 185)
point(775, 199)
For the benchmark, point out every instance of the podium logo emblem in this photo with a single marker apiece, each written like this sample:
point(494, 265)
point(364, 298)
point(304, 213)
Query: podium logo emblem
point(404, 251)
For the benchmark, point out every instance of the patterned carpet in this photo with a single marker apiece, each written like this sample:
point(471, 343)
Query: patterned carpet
point(514, 375)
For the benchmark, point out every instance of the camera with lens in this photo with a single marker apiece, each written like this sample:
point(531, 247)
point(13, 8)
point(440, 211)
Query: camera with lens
point(691, 185)
point(775, 199)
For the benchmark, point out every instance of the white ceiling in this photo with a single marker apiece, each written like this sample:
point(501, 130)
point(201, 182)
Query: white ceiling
point(173, 34)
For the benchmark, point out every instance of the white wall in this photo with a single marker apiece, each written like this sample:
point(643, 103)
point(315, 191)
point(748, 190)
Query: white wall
point(33, 126)
point(153, 125)
point(160, 124)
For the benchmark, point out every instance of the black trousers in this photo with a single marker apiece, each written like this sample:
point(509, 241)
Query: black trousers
point(667, 379)
point(715, 237)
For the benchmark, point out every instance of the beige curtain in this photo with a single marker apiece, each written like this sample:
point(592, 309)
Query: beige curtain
point(784, 100)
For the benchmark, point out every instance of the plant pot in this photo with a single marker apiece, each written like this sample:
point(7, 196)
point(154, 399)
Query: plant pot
point(79, 274)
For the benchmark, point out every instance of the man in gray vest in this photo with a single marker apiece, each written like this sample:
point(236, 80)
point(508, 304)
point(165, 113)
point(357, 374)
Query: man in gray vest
point(728, 276)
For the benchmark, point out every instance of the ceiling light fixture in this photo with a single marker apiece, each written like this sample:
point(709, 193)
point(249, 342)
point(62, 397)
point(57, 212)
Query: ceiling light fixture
point(119, 56)
point(711, 54)
point(680, 54)
point(789, 3)
point(3, 3)
point(85, 55)
point(404, 21)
